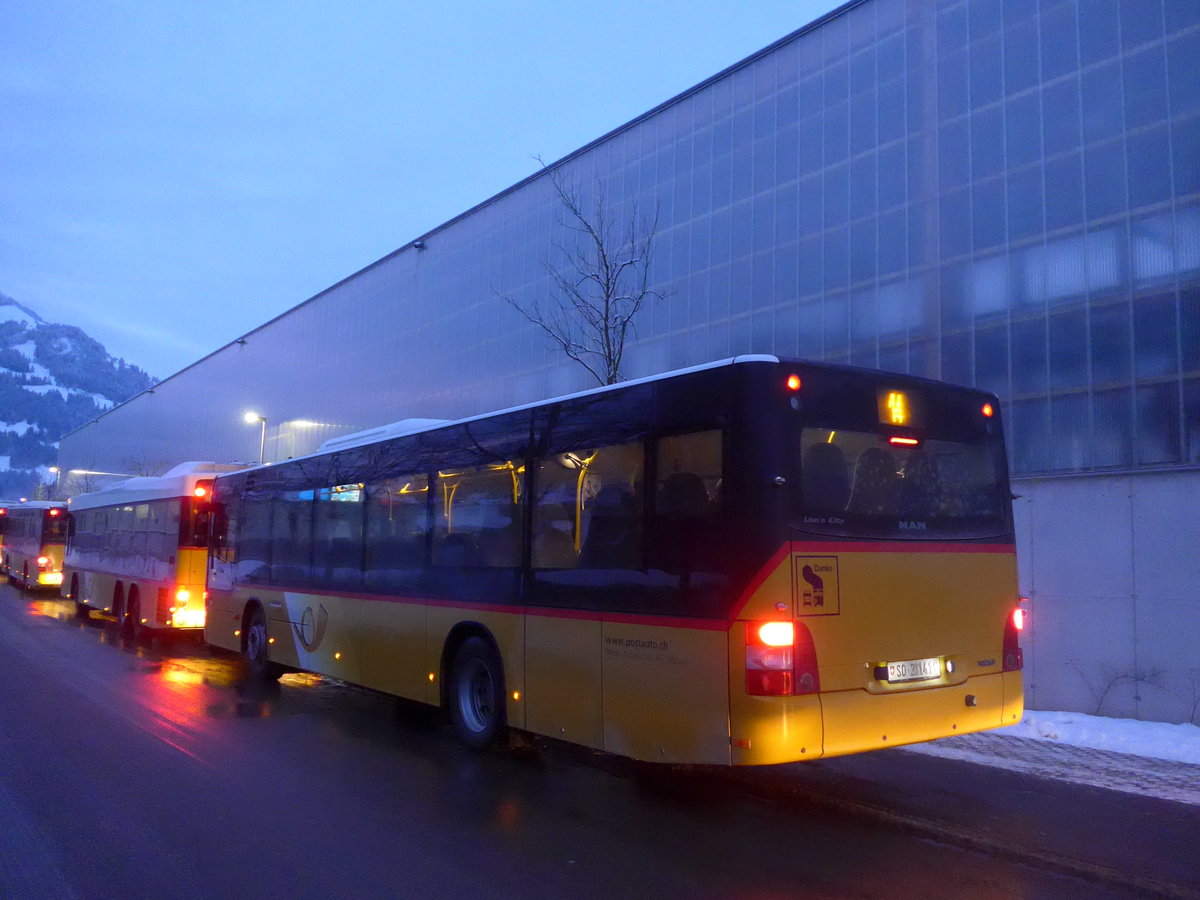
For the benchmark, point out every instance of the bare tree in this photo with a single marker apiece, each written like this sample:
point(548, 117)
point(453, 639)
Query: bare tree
point(142, 465)
point(601, 284)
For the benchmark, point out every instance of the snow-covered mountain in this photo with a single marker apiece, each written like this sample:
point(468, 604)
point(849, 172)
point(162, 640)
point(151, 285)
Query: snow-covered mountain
point(53, 378)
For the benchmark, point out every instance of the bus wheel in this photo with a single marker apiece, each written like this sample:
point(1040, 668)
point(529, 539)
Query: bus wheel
point(131, 625)
point(257, 643)
point(81, 610)
point(476, 695)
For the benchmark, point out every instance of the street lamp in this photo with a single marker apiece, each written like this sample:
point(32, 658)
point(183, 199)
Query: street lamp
point(251, 418)
point(57, 473)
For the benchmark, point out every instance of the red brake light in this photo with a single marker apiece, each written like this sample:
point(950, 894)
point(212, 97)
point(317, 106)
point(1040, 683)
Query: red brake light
point(1014, 658)
point(780, 659)
point(904, 441)
point(54, 512)
point(200, 492)
point(777, 634)
point(793, 382)
point(202, 489)
point(988, 411)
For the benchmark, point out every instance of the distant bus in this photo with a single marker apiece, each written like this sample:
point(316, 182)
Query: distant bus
point(137, 549)
point(32, 553)
point(748, 562)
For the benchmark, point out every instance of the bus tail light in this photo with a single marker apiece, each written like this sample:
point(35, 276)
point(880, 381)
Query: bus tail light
point(43, 563)
point(780, 659)
point(1013, 657)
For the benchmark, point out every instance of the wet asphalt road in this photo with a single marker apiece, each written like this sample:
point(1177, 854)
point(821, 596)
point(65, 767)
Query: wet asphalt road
point(128, 771)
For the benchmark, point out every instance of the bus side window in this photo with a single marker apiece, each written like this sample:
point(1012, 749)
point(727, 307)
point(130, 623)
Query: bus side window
point(555, 520)
point(397, 530)
point(687, 499)
point(337, 536)
point(478, 520)
point(611, 502)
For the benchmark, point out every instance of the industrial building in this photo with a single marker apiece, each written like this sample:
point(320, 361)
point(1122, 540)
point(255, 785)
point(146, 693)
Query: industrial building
point(1004, 194)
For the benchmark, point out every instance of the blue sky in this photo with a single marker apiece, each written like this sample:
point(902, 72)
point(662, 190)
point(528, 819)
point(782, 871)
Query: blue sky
point(173, 174)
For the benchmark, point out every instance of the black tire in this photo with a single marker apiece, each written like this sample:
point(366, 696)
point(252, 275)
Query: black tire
point(81, 610)
point(476, 695)
point(131, 624)
point(256, 647)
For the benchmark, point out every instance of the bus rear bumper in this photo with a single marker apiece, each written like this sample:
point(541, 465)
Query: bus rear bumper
point(856, 720)
point(772, 730)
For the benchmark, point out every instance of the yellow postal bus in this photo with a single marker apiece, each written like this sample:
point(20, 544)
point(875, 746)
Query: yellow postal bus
point(137, 550)
point(753, 561)
point(32, 553)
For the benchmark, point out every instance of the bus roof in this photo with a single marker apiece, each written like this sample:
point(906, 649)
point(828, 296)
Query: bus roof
point(414, 426)
point(179, 481)
point(34, 504)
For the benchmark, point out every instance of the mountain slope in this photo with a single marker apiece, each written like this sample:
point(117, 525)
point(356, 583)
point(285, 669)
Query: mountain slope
point(53, 378)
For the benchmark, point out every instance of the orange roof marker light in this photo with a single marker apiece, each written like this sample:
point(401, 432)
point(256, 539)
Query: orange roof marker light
point(793, 382)
point(988, 410)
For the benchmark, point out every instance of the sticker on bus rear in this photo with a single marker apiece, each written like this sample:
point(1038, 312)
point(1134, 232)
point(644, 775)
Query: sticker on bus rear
point(815, 581)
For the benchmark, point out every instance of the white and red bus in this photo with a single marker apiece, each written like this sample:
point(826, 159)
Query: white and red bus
point(32, 553)
point(754, 561)
point(136, 550)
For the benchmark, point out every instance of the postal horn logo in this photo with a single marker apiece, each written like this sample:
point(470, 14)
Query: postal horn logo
point(311, 630)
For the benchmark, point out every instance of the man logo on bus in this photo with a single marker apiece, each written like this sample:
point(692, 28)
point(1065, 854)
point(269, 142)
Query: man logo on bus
point(814, 594)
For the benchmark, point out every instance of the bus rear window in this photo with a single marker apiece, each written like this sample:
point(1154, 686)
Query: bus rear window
point(860, 483)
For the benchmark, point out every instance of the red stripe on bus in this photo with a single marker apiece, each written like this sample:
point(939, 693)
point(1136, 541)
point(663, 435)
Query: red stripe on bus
point(898, 547)
point(591, 615)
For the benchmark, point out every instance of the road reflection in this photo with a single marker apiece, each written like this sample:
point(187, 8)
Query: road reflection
point(372, 786)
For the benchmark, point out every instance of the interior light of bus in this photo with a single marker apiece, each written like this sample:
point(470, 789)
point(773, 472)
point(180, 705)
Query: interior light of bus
point(793, 382)
point(988, 410)
point(904, 441)
point(337, 655)
point(777, 634)
point(516, 695)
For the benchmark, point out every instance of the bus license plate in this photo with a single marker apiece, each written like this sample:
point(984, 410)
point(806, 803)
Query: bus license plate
point(914, 670)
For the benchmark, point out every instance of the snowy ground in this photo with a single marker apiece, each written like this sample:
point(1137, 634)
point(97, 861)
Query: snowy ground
point(1153, 759)
point(1158, 740)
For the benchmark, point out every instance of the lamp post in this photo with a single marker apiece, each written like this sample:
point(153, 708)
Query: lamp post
point(251, 418)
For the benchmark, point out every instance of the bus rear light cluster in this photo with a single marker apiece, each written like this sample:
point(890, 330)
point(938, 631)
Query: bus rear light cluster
point(780, 659)
point(1014, 659)
point(43, 563)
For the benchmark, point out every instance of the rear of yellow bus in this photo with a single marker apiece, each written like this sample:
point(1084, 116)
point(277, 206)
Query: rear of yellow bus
point(181, 605)
point(890, 613)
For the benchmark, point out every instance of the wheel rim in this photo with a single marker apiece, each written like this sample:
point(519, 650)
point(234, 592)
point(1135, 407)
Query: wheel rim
point(256, 642)
point(476, 696)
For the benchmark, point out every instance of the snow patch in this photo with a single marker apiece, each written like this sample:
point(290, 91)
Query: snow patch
point(9, 313)
point(1159, 740)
